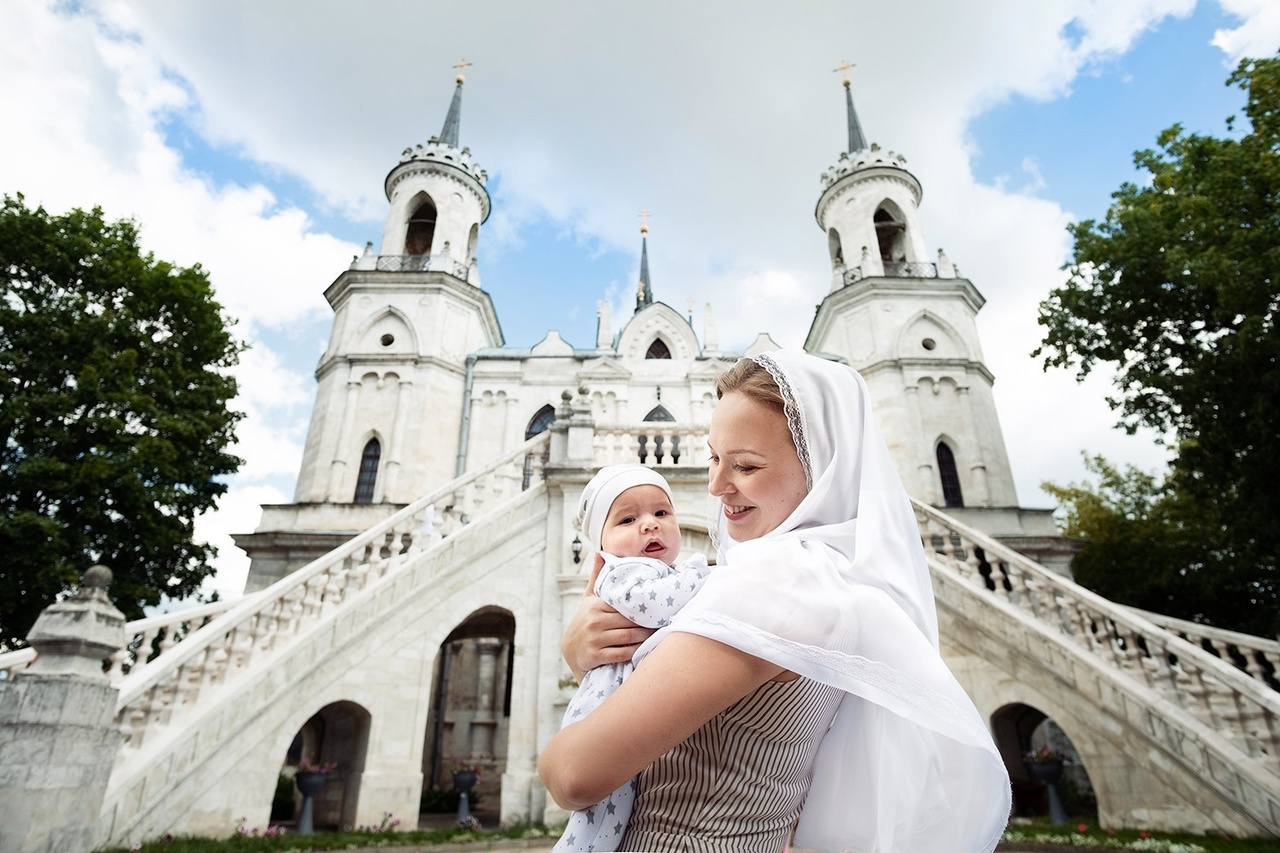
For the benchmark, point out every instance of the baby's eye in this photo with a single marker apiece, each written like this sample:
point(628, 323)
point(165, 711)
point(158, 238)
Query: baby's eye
point(627, 520)
point(662, 513)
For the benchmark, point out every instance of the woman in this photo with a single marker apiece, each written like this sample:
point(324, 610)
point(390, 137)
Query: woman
point(806, 671)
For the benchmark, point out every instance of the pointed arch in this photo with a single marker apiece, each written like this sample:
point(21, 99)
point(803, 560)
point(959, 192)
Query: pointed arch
point(891, 231)
point(658, 349)
point(659, 413)
point(927, 335)
point(420, 230)
point(539, 423)
point(951, 494)
point(367, 479)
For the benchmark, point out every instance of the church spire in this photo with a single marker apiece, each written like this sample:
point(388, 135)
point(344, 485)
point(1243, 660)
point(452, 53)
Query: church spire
point(857, 142)
point(644, 291)
point(449, 133)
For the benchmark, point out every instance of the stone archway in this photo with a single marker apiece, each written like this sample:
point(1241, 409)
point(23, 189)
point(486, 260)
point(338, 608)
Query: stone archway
point(339, 734)
point(1019, 729)
point(471, 704)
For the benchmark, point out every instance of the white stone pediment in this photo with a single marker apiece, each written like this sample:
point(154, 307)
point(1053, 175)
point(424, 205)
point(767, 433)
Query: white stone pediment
point(661, 322)
point(604, 369)
point(552, 344)
point(924, 327)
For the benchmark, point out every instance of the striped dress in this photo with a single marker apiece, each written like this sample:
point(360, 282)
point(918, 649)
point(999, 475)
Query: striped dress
point(737, 784)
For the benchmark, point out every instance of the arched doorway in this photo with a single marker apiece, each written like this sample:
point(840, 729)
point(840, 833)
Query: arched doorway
point(1020, 729)
point(471, 707)
point(337, 734)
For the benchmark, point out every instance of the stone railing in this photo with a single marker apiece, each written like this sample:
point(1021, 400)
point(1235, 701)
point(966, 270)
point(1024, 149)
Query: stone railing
point(13, 663)
point(255, 627)
point(1241, 709)
point(1257, 656)
point(154, 634)
point(651, 443)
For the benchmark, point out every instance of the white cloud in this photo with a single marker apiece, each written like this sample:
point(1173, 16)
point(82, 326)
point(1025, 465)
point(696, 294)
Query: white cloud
point(1258, 34)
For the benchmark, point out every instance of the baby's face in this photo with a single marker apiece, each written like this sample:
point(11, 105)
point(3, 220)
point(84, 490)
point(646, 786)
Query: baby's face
point(641, 523)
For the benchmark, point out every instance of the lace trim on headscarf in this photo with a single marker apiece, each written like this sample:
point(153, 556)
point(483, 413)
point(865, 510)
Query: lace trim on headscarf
point(791, 407)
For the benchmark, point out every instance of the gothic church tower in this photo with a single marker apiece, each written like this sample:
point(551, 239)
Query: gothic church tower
point(405, 320)
point(908, 324)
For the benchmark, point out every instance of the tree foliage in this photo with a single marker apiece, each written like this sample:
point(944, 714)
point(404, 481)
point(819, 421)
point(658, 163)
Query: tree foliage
point(114, 413)
point(1177, 290)
point(1149, 545)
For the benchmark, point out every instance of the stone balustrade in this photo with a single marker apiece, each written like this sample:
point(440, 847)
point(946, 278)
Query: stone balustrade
point(1242, 709)
point(1257, 656)
point(253, 628)
point(651, 443)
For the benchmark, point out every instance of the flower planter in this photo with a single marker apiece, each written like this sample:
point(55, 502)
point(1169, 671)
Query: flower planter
point(309, 784)
point(464, 781)
point(1049, 772)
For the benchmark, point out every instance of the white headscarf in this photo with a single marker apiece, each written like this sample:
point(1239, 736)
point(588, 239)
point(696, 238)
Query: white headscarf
point(839, 592)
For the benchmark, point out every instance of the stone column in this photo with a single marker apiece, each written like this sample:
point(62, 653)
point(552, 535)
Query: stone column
point(484, 722)
point(57, 737)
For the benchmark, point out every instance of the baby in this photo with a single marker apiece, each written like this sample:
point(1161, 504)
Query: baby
point(627, 516)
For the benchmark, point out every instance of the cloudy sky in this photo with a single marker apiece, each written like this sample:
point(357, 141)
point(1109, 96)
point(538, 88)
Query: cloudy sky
point(253, 137)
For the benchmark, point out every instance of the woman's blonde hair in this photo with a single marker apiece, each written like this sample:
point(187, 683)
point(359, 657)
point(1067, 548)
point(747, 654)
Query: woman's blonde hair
point(750, 378)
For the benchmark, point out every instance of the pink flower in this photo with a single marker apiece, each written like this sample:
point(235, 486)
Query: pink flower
point(1083, 827)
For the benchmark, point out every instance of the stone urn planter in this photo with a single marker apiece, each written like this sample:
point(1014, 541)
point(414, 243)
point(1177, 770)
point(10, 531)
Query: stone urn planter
point(309, 784)
point(1049, 772)
point(463, 782)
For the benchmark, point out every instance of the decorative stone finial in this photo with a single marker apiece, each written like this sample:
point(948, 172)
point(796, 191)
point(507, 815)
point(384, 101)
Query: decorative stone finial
point(74, 636)
point(566, 395)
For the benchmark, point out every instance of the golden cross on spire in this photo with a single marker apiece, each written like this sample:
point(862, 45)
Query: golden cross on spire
point(644, 221)
point(843, 68)
point(461, 66)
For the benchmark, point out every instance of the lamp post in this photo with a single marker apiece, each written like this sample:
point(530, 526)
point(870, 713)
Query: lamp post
point(576, 547)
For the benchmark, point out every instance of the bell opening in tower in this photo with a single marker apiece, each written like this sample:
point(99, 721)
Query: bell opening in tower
point(421, 230)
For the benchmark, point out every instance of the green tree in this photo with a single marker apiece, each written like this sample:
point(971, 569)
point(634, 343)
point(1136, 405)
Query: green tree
point(114, 413)
point(1149, 545)
point(1177, 290)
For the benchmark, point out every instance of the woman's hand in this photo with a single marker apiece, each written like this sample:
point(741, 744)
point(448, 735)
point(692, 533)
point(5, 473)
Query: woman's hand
point(597, 634)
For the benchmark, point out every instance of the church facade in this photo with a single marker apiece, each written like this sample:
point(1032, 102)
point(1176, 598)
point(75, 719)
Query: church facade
point(417, 387)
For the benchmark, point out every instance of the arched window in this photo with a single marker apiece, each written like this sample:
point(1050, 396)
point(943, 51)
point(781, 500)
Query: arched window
point(950, 479)
point(889, 234)
point(837, 251)
point(658, 349)
point(368, 472)
point(422, 229)
point(539, 423)
point(659, 413)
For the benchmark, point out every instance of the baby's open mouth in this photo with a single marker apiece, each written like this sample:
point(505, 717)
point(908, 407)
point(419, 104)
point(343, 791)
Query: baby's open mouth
point(654, 546)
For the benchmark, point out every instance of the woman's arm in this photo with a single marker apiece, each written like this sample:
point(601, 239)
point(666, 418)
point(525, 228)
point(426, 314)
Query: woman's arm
point(684, 682)
point(597, 634)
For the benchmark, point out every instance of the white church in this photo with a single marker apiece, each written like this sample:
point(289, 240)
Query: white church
point(416, 386)
point(403, 614)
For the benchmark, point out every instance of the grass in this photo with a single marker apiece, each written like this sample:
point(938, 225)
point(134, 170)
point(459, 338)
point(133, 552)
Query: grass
point(1035, 832)
point(1084, 833)
point(351, 840)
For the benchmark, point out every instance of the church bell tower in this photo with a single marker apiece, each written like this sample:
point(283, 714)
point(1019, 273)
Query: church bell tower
point(907, 322)
point(391, 382)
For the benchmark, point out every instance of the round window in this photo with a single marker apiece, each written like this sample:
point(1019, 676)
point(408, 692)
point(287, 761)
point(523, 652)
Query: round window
point(928, 343)
point(388, 340)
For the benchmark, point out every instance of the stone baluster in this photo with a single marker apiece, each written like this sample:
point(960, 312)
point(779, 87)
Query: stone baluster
point(998, 578)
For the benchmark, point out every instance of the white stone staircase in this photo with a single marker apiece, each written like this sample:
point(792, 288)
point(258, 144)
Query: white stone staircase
point(177, 706)
point(1161, 700)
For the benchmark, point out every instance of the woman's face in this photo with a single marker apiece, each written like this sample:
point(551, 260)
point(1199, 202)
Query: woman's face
point(754, 469)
